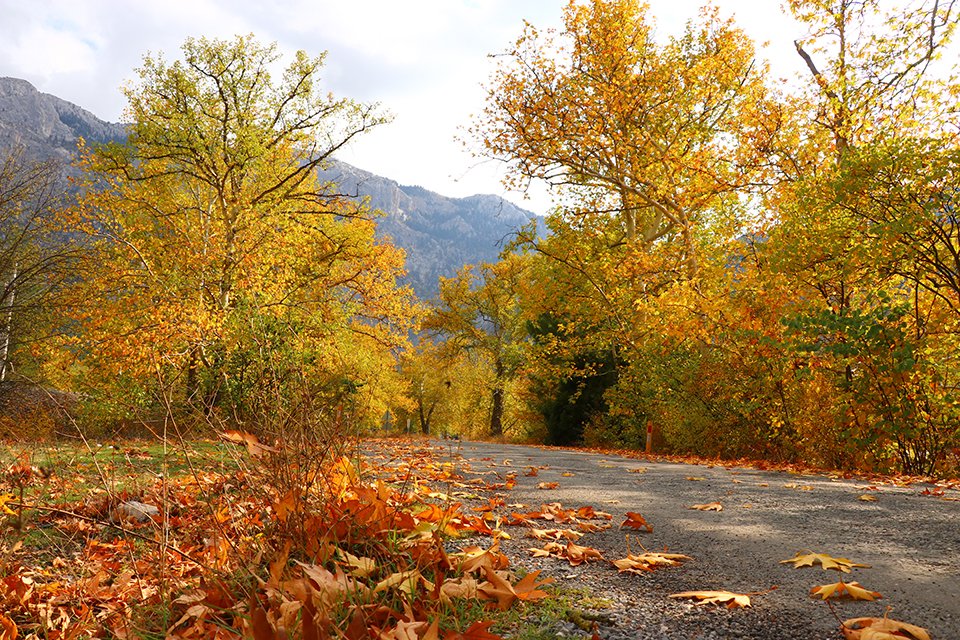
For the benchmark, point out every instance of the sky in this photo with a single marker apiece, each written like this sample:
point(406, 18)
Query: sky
point(424, 61)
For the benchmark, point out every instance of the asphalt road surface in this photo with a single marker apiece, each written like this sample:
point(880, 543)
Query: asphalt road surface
point(910, 539)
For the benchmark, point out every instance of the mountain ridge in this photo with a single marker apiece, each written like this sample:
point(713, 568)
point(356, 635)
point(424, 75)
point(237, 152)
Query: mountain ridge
point(440, 234)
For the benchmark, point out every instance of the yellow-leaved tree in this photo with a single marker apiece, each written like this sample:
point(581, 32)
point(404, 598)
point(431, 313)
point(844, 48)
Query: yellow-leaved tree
point(226, 280)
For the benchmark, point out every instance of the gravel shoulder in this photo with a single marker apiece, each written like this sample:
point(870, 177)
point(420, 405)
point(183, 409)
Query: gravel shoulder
point(911, 541)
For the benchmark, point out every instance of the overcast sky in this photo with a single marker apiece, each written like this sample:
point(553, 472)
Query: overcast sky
point(425, 61)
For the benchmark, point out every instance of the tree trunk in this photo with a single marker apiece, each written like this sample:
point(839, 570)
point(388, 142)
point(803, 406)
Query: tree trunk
point(496, 412)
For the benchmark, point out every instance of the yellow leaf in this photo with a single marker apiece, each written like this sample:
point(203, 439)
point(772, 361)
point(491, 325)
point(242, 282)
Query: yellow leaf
point(4, 499)
point(710, 506)
point(867, 498)
point(825, 561)
point(648, 561)
point(731, 600)
point(882, 629)
point(844, 590)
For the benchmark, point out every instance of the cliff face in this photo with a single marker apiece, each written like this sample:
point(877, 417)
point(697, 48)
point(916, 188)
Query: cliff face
point(439, 234)
point(46, 126)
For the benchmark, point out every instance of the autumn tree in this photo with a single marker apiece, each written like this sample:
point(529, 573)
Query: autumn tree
point(35, 261)
point(657, 135)
point(221, 261)
point(478, 312)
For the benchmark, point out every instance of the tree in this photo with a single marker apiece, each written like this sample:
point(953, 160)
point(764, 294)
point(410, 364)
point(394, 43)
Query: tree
point(659, 136)
point(35, 261)
point(481, 314)
point(221, 261)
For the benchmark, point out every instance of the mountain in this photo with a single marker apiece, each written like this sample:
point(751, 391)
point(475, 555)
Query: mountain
point(439, 234)
point(46, 126)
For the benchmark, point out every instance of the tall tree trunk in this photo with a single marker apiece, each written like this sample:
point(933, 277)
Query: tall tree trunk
point(496, 412)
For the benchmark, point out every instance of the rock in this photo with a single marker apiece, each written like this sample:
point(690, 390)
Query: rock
point(135, 511)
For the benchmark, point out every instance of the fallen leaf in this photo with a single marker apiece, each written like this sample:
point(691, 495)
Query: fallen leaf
point(554, 534)
point(731, 600)
point(568, 474)
point(548, 485)
point(867, 498)
point(648, 561)
point(4, 499)
point(497, 588)
point(695, 478)
point(636, 522)
point(637, 470)
point(710, 506)
point(844, 590)
point(575, 554)
point(476, 631)
point(8, 628)
point(531, 472)
point(881, 629)
point(825, 561)
point(254, 447)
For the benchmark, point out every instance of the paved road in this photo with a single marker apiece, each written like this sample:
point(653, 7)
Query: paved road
point(911, 541)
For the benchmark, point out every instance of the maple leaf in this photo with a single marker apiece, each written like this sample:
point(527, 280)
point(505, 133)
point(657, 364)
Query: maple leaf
point(465, 587)
point(636, 521)
point(590, 527)
point(254, 447)
point(4, 499)
point(531, 472)
point(548, 485)
point(575, 554)
point(648, 561)
point(477, 631)
point(475, 558)
point(554, 534)
point(499, 589)
point(844, 590)
point(578, 554)
point(710, 506)
point(881, 629)
point(590, 513)
point(825, 561)
point(731, 600)
point(8, 628)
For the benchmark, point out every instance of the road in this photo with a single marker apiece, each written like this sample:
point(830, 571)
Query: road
point(910, 540)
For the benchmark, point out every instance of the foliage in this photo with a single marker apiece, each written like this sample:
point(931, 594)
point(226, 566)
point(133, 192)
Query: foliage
point(772, 275)
point(223, 275)
point(35, 263)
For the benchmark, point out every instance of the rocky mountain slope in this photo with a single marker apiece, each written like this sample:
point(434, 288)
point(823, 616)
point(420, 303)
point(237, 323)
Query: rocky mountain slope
point(439, 234)
point(46, 126)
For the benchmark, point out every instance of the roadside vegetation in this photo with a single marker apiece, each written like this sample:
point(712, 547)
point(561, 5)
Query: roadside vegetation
point(742, 269)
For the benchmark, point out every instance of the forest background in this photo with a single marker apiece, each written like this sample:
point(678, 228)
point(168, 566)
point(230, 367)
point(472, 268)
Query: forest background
point(755, 269)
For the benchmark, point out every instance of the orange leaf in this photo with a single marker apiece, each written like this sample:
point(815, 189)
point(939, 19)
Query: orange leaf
point(8, 628)
point(477, 631)
point(636, 521)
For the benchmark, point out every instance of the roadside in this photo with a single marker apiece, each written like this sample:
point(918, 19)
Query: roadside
point(911, 541)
